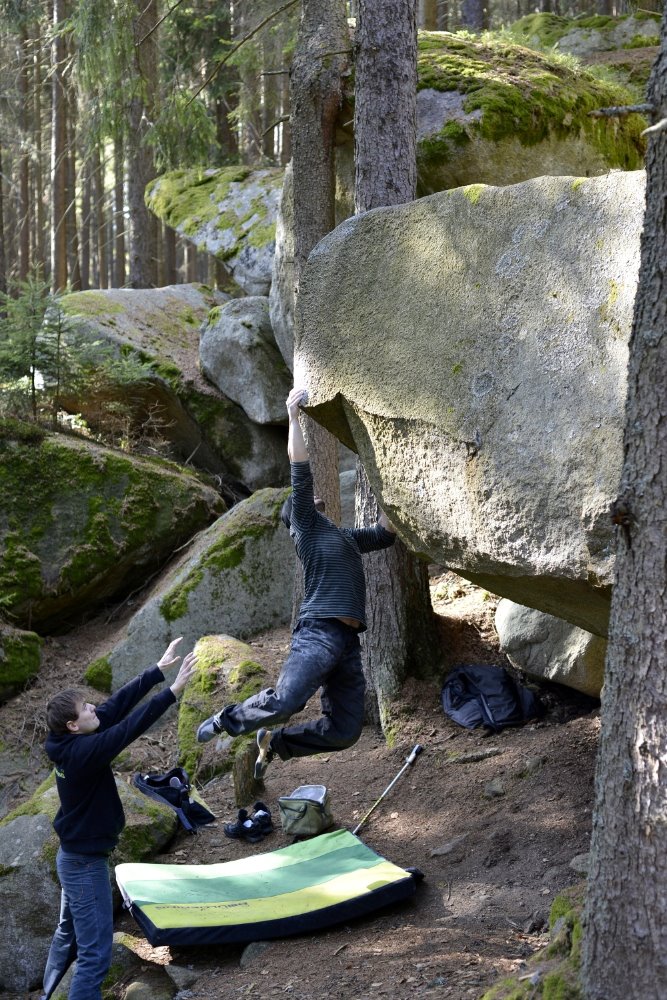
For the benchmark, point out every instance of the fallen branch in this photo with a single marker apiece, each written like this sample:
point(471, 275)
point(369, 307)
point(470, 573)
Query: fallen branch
point(621, 110)
point(472, 758)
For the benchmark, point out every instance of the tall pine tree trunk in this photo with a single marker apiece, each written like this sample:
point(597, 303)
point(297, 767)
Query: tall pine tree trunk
point(320, 60)
point(58, 152)
point(40, 254)
point(119, 212)
point(625, 931)
point(143, 224)
point(71, 195)
point(86, 205)
point(3, 254)
point(401, 636)
point(99, 226)
point(24, 156)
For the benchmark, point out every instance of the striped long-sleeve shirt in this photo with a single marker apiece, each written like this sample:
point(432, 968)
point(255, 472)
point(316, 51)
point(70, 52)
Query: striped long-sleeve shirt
point(334, 583)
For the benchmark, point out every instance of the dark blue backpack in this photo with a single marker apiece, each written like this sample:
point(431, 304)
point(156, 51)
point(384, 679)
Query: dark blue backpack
point(488, 696)
point(173, 789)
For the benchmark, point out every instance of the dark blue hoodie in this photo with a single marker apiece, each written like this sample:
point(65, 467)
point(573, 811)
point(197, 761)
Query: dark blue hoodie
point(91, 818)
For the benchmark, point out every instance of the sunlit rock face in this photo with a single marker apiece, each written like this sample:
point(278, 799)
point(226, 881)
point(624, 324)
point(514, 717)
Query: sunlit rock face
point(475, 355)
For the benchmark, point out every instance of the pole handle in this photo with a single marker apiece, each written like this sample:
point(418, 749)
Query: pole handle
point(414, 754)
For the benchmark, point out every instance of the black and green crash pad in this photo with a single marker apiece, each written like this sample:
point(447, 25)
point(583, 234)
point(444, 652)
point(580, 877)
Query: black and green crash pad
point(304, 887)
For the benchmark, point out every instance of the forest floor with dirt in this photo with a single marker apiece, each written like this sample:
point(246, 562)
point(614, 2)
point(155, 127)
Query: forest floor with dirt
point(495, 837)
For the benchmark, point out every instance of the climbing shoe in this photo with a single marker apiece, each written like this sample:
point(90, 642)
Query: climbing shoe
point(209, 729)
point(245, 828)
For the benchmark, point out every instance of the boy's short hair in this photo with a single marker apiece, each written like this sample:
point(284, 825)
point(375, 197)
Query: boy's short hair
point(64, 707)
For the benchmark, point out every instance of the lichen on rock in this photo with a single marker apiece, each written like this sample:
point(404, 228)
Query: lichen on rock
point(230, 213)
point(493, 112)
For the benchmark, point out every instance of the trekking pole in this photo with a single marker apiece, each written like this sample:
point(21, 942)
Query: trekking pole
point(408, 763)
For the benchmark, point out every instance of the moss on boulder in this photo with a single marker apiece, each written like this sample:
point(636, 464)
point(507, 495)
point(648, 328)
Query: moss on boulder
point(494, 112)
point(235, 579)
point(98, 674)
point(80, 522)
point(20, 657)
point(227, 672)
point(625, 46)
point(230, 213)
point(553, 972)
point(158, 330)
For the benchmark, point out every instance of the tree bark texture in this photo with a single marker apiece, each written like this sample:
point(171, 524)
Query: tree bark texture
point(24, 159)
point(385, 107)
point(101, 268)
point(3, 255)
point(625, 930)
point(119, 212)
point(143, 224)
point(40, 219)
point(320, 59)
point(58, 153)
point(401, 635)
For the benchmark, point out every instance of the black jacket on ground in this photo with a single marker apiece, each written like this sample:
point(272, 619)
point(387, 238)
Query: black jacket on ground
point(91, 817)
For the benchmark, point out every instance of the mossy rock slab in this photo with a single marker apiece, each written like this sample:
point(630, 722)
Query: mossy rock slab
point(20, 658)
point(159, 329)
point(511, 310)
point(626, 46)
point(80, 523)
point(580, 36)
point(491, 112)
point(230, 213)
point(29, 887)
point(227, 672)
point(236, 578)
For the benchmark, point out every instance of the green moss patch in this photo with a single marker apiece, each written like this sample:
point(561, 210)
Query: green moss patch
point(98, 674)
point(225, 674)
point(189, 200)
point(553, 972)
point(524, 95)
point(246, 520)
point(20, 656)
point(75, 514)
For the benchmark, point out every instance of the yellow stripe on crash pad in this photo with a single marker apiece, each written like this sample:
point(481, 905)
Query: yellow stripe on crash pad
point(289, 904)
point(253, 864)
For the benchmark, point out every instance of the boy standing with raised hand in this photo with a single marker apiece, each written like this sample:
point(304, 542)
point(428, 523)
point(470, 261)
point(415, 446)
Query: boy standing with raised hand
point(82, 743)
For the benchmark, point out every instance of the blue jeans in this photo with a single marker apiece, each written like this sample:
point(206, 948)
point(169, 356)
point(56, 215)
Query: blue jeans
point(324, 653)
point(85, 928)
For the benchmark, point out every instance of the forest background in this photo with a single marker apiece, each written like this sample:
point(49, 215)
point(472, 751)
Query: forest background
point(99, 97)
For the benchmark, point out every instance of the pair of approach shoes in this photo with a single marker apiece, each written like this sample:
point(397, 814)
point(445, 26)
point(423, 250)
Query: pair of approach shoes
point(252, 828)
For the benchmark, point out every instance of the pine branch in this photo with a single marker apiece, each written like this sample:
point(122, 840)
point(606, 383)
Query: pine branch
point(235, 48)
point(278, 121)
point(158, 22)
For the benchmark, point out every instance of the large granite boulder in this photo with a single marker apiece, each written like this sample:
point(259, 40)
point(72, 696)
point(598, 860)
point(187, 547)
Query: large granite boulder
point(29, 887)
point(20, 658)
point(551, 649)
point(79, 523)
point(625, 46)
point(230, 213)
point(158, 330)
point(494, 113)
point(235, 578)
point(238, 354)
point(475, 356)
point(487, 112)
point(579, 36)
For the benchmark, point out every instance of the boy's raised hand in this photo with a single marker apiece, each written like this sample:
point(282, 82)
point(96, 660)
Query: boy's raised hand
point(186, 671)
point(169, 657)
